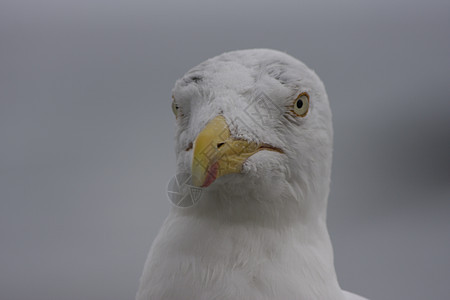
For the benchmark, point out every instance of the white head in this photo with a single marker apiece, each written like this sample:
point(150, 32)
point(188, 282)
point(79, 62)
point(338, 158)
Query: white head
point(254, 126)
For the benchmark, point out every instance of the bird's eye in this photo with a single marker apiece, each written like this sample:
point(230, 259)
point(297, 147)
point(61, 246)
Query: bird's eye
point(301, 105)
point(175, 108)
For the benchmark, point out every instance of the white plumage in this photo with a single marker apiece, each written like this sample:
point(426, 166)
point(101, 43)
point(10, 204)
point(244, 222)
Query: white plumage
point(259, 231)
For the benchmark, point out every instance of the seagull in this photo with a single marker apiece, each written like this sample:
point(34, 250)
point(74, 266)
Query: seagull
point(254, 133)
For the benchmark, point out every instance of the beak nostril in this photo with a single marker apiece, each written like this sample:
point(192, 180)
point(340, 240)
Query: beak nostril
point(220, 145)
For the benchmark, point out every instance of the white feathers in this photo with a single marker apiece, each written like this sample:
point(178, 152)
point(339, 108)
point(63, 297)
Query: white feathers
point(260, 234)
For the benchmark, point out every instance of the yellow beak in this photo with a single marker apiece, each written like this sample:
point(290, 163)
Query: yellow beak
point(216, 153)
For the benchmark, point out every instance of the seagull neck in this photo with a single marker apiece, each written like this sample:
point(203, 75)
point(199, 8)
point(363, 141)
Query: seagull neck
point(267, 241)
point(257, 237)
point(284, 214)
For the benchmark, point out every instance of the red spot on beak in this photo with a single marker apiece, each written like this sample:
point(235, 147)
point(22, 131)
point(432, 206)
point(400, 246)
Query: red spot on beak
point(211, 174)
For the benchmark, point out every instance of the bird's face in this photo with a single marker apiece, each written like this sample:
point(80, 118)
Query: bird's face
point(252, 118)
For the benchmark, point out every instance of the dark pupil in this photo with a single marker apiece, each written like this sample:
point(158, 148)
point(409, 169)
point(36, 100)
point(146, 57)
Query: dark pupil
point(299, 104)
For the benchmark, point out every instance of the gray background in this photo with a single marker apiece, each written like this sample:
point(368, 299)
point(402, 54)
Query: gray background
point(86, 134)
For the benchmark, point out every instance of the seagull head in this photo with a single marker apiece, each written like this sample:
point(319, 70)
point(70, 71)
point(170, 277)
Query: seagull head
point(254, 124)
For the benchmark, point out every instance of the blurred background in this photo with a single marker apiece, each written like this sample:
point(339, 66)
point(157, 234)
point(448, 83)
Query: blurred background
point(86, 133)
